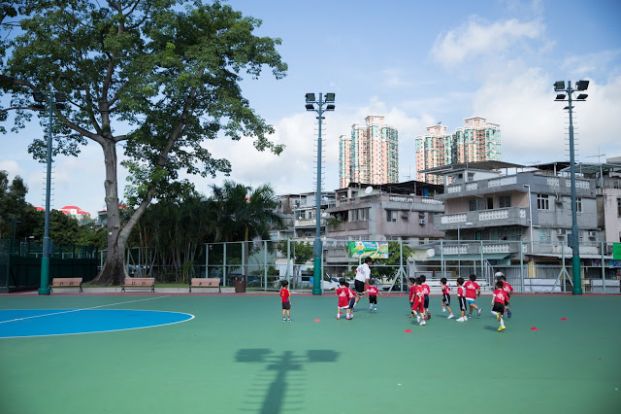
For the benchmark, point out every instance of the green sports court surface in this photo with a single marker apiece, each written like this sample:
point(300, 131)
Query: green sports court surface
point(559, 354)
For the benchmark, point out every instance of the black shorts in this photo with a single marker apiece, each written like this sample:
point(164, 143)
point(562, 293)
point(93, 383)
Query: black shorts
point(426, 301)
point(286, 305)
point(446, 299)
point(358, 286)
point(499, 307)
point(373, 299)
point(462, 303)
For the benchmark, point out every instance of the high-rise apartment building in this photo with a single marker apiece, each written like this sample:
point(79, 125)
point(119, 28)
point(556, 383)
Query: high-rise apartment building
point(370, 155)
point(477, 140)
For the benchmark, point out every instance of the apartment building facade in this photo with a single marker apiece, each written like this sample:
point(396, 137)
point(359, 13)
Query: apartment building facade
point(478, 140)
point(370, 154)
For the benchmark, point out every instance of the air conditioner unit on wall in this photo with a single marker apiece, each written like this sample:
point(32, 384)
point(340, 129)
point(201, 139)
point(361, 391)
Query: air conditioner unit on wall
point(422, 222)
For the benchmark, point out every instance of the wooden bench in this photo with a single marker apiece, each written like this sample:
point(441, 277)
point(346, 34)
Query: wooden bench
point(67, 282)
point(138, 282)
point(210, 284)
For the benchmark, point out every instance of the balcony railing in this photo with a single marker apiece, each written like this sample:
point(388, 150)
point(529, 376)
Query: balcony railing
point(485, 218)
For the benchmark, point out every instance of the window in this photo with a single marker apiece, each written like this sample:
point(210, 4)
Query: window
point(579, 205)
point(391, 216)
point(618, 207)
point(504, 201)
point(490, 203)
point(358, 214)
point(472, 205)
point(543, 202)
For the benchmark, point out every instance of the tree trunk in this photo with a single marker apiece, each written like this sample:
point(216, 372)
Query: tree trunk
point(114, 271)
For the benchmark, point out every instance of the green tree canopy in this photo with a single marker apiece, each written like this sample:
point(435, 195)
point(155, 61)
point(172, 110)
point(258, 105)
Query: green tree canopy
point(157, 78)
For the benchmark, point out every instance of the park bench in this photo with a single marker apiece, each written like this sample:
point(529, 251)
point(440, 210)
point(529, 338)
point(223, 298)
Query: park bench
point(67, 282)
point(208, 284)
point(138, 282)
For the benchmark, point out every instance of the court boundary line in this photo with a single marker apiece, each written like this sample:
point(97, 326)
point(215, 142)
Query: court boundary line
point(77, 310)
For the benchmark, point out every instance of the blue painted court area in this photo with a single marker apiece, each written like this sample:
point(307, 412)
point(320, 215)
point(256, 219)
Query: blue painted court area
point(15, 323)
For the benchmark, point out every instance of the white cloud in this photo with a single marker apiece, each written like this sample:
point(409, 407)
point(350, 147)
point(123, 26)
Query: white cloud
point(534, 127)
point(587, 64)
point(476, 38)
point(10, 166)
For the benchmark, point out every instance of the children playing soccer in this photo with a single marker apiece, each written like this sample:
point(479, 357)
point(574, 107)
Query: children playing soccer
point(446, 298)
point(461, 296)
point(344, 298)
point(506, 286)
point(473, 290)
point(426, 292)
point(411, 293)
point(499, 299)
point(285, 299)
point(372, 291)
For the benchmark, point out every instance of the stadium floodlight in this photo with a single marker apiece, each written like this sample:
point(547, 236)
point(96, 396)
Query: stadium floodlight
point(574, 241)
point(319, 106)
point(582, 85)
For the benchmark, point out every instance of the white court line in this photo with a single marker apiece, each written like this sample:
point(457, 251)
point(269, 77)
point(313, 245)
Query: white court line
point(79, 310)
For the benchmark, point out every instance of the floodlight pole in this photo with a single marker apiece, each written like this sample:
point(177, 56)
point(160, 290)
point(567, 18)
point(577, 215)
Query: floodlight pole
point(575, 238)
point(318, 107)
point(44, 288)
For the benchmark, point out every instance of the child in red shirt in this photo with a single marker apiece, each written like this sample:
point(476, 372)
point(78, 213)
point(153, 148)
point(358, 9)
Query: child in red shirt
point(285, 299)
point(426, 292)
point(473, 290)
point(506, 286)
point(461, 296)
point(344, 295)
point(499, 299)
point(372, 291)
point(446, 298)
point(418, 302)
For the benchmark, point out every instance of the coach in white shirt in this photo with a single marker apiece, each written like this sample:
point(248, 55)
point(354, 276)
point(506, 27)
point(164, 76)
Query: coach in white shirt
point(363, 274)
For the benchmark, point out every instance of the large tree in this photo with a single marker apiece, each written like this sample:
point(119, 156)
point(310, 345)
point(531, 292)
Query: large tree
point(157, 79)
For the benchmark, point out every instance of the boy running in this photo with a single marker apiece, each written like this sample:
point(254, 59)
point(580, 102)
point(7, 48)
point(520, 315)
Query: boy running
point(426, 291)
point(286, 302)
point(344, 295)
point(473, 290)
point(506, 286)
point(461, 296)
point(372, 291)
point(446, 298)
point(499, 300)
point(418, 303)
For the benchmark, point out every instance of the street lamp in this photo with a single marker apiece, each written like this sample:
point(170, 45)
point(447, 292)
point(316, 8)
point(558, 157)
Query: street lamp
point(564, 93)
point(459, 246)
point(319, 106)
point(530, 219)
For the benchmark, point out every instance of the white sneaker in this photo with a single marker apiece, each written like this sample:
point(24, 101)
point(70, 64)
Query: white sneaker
point(451, 316)
point(462, 319)
point(443, 310)
point(479, 312)
point(418, 319)
point(338, 316)
point(423, 323)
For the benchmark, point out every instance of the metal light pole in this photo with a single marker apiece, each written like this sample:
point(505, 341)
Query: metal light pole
point(44, 288)
point(530, 219)
point(559, 87)
point(318, 106)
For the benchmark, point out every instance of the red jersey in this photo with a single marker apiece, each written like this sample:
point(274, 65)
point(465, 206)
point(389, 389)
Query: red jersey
point(412, 293)
point(506, 286)
point(471, 289)
point(344, 294)
point(284, 295)
point(500, 296)
point(419, 294)
point(461, 292)
point(446, 290)
point(426, 289)
point(372, 290)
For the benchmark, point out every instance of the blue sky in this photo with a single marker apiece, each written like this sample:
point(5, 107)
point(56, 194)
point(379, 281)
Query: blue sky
point(416, 63)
